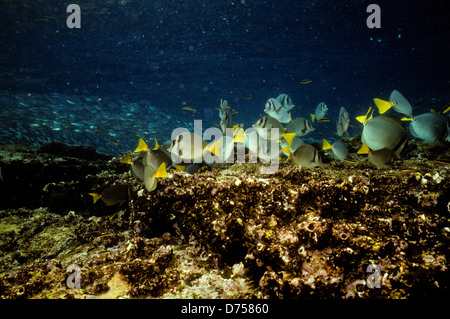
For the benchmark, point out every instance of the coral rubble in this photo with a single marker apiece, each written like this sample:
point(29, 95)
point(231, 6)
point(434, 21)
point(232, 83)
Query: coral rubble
point(225, 232)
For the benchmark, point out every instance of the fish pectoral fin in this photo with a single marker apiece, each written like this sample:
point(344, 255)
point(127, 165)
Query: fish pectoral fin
point(95, 196)
point(382, 105)
point(142, 146)
point(161, 172)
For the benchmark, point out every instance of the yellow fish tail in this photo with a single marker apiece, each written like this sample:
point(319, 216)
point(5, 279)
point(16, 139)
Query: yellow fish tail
point(142, 146)
point(214, 148)
point(326, 145)
point(126, 159)
point(383, 106)
point(161, 172)
point(289, 137)
point(95, 197)
point(364, 149)
point(312, 118)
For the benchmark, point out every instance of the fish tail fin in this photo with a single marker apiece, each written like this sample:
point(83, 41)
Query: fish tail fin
point(364, 149)
point(312, 118)
point(180, 168)
point(161, 172)
point(142, 146)
point(156, 145)
point(289, 137)
point(95, 197)
point(239, 135)
point(214, 148)
point(326, 145)
point(382, 105)
point(126, 159)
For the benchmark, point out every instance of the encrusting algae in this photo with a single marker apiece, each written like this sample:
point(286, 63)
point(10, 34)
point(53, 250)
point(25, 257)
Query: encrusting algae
point(226, 231)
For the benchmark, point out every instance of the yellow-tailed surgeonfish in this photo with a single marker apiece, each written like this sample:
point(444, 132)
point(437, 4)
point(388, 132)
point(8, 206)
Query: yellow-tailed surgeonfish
point(381, 158)
point(153, 157)
point(113, 195)
point(300, 126)
point(321, 111)
point(225, 116)
point(137, 167)
point(397, 102)
point(290, 149)
point(264, 128)
point(338, 149)
point(428, 127)
point(306, 156)
point(343, 121)
point(286, 101)
point(383, 131)
point(275, 109)
point(151, 175)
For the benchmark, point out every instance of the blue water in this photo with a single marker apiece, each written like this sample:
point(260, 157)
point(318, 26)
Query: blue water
point(131, 67)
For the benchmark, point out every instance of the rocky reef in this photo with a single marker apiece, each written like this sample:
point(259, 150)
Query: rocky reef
point(225, 232)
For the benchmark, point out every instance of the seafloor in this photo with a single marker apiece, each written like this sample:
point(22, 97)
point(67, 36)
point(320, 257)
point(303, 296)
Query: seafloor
point(226, 232)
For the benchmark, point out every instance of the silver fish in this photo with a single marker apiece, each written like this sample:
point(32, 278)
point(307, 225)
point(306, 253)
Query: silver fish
point(321, 111)
point(307, 156)
point(429, 127)
point(286, 101)
point(225, 117)
point(300, 126)
point(275, 109)
point(343, 121)
point(384, 131)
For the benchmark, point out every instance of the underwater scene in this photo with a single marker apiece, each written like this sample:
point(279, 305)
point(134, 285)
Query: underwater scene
point(224, 149)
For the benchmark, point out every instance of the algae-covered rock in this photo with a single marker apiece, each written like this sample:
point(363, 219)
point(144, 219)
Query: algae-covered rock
point(225, 232)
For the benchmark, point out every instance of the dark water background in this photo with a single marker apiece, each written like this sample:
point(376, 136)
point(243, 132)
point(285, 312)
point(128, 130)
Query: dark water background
point(133, 64)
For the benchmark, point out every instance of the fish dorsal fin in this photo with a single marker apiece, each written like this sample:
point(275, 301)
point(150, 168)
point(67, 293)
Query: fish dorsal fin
point(95, 197)
point(364, 149)
point(126, 159)
point(142, 146)
point(326, 145)
point(382, 105)
point(312, 117)
point(156, 145)
point(161, 172)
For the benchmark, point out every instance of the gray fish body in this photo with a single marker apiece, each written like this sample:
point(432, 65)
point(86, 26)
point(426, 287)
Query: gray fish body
point(116, 194)
point(300, 126)
point(187, 146)
point(275, 109)
point(321, 111)
point(429, 127)
point(155, 158)
point(307, 156)
point(264, 126)
point(286, 101)
point(225, 117)
point(381, 158)
point(401, 104)
point(150, 181)
point(343, 121)
point(339, 150)
point(384, 131)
